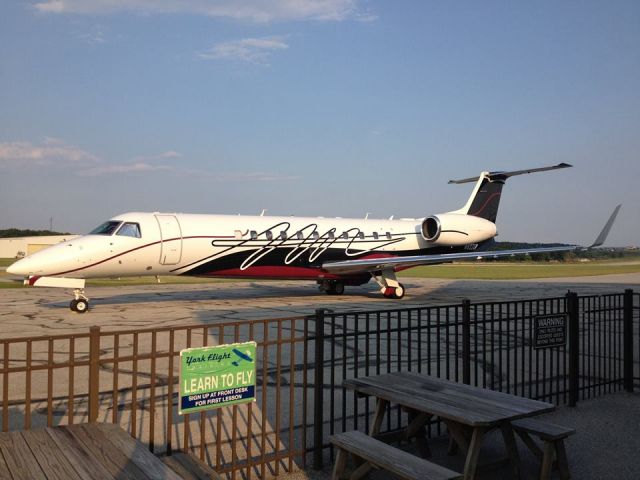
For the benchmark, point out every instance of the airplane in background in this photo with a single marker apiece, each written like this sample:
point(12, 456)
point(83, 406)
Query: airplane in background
point(335, 252)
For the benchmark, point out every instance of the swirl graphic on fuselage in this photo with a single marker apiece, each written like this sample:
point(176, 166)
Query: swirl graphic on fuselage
point(303, 240)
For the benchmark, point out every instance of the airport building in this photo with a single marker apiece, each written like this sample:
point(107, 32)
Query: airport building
point(21, 246)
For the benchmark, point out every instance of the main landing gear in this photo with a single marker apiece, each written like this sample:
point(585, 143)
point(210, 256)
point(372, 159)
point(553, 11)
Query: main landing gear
point(80, 303)
point(389, 285)
point(331, 287)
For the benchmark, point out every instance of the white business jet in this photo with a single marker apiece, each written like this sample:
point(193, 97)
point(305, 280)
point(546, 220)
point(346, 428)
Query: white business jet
point(335, 252)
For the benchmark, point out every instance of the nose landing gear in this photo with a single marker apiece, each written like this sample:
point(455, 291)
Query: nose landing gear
point(80, 303)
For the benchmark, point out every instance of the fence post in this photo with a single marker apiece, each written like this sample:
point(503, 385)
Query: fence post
point(318, 391)
point(574, 347)
point(628, 340)
point(94, 373)
point(466, 341)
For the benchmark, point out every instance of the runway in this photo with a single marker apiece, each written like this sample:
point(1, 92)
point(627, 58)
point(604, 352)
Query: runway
point(45, 311)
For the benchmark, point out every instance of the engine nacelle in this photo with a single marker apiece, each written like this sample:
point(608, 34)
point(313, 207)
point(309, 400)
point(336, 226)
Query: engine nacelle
point(456, 229)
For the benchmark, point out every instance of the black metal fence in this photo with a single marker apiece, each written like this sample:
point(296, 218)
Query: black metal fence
point(130, 377)
point(491, 345)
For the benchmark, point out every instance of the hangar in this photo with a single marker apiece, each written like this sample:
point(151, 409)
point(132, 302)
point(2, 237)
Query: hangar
point(20, 246)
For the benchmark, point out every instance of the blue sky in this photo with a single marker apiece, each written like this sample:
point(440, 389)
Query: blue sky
point(309, 107)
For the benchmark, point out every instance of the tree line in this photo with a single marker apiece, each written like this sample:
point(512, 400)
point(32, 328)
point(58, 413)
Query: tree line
point(17, 232)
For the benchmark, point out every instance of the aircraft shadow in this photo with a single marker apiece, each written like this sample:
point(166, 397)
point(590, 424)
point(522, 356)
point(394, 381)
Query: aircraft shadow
point(245, 293)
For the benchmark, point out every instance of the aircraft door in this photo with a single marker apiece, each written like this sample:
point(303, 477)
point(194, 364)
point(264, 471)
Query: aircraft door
point(171, 239)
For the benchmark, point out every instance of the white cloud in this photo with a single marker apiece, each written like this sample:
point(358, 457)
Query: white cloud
point(252, 50)
point(55, 153)
point(146, 163)
point(168, 155)
point(258, 11)
point(95, 36)
point(51, 151)
point(250, 176)
point(136, 167)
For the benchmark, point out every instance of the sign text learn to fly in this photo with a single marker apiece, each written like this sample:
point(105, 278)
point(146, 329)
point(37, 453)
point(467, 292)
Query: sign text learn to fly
point(217, 376)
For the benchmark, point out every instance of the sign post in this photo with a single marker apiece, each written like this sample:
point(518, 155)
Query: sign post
point(217, 376)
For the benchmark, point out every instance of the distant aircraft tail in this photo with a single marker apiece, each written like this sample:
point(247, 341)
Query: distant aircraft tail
point(485, 198)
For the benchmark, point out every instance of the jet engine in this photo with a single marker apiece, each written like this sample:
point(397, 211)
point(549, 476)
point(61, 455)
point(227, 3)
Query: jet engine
point(456, 229)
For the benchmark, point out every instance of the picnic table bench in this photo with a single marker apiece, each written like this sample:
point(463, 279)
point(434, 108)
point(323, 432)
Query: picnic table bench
point(553, 437)
point(377, 454)
point(469, 412)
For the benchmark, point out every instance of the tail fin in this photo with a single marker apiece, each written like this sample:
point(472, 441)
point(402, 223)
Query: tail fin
point(485, 198)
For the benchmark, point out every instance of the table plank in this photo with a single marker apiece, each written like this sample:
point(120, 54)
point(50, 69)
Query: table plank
point(116, 462)
point(81, 458)
point(20, 462)
point(448, 399)
point(134, 450)
point(49, 456)
point(4, 469)
point(462, 407)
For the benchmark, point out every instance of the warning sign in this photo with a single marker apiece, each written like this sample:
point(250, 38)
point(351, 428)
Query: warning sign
point(550, 331)
point(218, 376)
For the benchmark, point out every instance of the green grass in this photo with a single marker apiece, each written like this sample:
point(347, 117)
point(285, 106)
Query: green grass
point(458, 271)
point(520, 271)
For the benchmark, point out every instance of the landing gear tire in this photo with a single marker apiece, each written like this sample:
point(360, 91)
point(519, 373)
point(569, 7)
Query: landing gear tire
point(332, 287)
point(79, 306)
point(395, 293)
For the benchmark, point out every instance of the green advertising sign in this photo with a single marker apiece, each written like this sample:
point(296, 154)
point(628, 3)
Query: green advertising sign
point(217, 376)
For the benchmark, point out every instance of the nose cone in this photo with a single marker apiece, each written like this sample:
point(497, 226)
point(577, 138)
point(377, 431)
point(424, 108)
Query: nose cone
point(21, 267)
point(44, 262)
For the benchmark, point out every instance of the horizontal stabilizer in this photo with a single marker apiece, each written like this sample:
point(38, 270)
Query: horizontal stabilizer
point(505, 175)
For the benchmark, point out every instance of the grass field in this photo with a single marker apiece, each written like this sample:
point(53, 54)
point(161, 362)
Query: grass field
point(522, 271)
point(470, 271)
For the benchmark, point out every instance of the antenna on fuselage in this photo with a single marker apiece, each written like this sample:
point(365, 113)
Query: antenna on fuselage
point(391, 217)
point(366, 217)
point(263, 211)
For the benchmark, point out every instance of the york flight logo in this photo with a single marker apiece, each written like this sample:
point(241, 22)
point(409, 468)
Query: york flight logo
point(243, 357)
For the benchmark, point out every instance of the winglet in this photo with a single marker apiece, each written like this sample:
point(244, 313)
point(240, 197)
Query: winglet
point(605, 231)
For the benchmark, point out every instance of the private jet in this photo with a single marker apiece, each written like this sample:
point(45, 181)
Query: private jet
point(335, 252)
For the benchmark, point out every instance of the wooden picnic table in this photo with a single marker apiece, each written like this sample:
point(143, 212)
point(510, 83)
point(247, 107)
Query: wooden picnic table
point(83, 451)
point(469, 412)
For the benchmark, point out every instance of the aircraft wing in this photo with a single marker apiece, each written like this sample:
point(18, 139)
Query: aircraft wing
point(351, 267)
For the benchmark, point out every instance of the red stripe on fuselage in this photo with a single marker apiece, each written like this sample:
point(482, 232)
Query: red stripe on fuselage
point(292, 273)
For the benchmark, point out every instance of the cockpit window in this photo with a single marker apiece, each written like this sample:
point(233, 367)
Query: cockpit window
point(129, 230)
point(107, 228)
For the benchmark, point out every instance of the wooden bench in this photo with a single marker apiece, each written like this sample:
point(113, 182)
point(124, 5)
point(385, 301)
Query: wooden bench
point(189, 467)
point(553, 448)
point(377, 454)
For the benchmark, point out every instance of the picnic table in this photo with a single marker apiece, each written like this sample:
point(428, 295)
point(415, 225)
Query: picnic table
point(469, 412)
point(83, 451)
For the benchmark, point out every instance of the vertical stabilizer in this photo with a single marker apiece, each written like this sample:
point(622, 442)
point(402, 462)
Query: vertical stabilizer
point(485, 198)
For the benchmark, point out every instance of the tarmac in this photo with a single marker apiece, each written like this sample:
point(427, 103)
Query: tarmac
point(45, 311)
point(607, 443)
